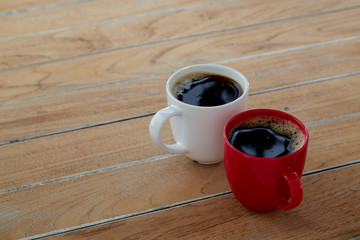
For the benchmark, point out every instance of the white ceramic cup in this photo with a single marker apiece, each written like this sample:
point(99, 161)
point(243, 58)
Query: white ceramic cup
point(198, 130)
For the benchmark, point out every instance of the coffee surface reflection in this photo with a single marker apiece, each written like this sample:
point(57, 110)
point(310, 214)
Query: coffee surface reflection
point(206, 89)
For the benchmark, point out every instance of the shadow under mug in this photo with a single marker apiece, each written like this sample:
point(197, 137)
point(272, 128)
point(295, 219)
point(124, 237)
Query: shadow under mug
point(264, 184)
point(197, 130)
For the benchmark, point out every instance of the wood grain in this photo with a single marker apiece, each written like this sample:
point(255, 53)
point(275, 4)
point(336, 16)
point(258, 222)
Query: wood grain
point(318, 216)
point(145, 185)
point(333, 141)
point(94, 106)
point(164, 57)
point(81, 79)
point(77, 151)
point(148, 28)
point(14, 6)
point(133, 98)
point(315, 101)
point(105, 146)
point(87, 12)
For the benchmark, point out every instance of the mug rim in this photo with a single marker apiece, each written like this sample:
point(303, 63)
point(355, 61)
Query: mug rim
point(269, 113)
point(211, 69)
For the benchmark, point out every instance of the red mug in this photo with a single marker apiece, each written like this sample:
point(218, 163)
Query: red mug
point(264, 184)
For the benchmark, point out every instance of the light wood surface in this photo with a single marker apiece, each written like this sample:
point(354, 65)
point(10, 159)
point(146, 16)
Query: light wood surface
point(224, 218)
point(147, 25)
point(95, 105)
point(81, 79)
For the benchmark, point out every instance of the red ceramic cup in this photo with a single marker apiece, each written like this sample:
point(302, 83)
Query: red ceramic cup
point(264, 184)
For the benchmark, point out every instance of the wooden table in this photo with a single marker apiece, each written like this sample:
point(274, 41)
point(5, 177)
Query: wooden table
point(81, 79)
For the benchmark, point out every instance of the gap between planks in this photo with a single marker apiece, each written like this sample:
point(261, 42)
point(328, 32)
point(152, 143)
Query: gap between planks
point(77, 128)
point(152, 113)
point(169, 206)
point(157, 158)
point(288, 50)
point(44, 7)
point(159, 40)
point(120, 19)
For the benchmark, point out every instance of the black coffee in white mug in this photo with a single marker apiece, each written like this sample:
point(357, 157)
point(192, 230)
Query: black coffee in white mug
point(201, 99)
point(206, 89)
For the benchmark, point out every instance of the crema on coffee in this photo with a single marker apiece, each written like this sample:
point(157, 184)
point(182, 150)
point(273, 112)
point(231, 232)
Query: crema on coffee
point(267, 137)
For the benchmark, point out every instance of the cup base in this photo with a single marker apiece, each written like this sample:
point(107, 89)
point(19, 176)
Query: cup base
point(207, 162)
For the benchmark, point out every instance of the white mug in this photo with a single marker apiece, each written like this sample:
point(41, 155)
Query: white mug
point(198, 130)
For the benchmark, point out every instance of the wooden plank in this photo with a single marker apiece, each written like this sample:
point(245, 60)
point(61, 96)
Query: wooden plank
point(326, 212)
point(153, 27)
point(133, 188)
point(78, 14)
point(315, 101)
point(78, 151)
point(164, 57)
point(96, 11)
point(332, 141)
point(143, 96)
point(87, 175)
point(19, 6)
point(105, 146)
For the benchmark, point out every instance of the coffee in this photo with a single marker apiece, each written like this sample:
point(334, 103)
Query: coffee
point(206, 89)
point(267, 138)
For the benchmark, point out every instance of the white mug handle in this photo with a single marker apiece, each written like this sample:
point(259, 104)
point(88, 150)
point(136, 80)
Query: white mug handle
point(156, 124)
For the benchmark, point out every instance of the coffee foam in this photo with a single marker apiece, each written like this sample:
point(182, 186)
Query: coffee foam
point(184, 82)
point(279, 126)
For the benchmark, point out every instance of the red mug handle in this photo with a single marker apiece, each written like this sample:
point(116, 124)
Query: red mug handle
point(296, 190)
